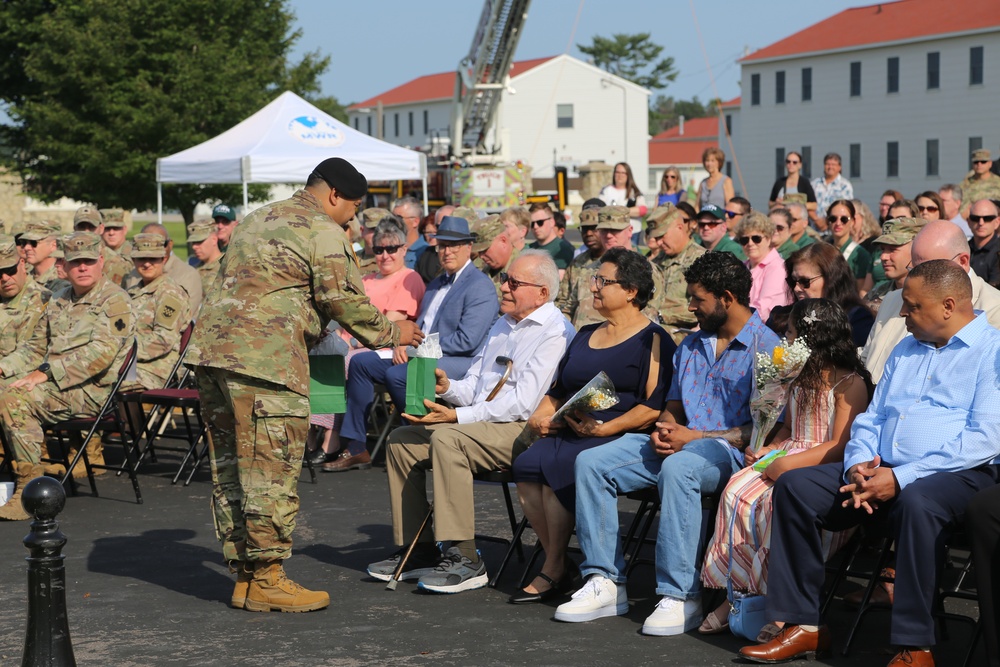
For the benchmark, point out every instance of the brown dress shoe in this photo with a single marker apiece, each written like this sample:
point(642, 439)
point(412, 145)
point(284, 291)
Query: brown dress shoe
point(347, 461)
point(912, 658)
point(882, 596)
point(791, 643)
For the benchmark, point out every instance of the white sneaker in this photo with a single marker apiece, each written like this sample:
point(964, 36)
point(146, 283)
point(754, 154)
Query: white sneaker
point(673, 617)
point(598, 598)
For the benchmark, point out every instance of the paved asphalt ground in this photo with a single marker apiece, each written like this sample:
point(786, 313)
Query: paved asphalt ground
point(146, 586)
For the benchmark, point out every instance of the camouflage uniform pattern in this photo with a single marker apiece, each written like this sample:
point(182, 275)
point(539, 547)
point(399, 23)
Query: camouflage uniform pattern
point(673, 303)
point(116, 267)
point(51, 281)
point(289, 269)
point(161, 311)
point(89, 338)
point(208, 273)
point(495, 275)
point(974, 189)
point(873, 299)
point(22, 332)
point(575, 299)
point(184, 275)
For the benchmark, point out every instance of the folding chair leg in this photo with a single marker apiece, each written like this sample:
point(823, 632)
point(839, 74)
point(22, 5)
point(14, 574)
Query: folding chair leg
point(516, 540)
point(309, 465)
point(385, 432)
point(883, 560)
point(515, 535)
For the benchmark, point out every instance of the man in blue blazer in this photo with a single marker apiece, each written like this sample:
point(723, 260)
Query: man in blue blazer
point(460, 305)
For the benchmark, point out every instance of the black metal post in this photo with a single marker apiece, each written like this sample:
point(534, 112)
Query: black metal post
point(47, 642)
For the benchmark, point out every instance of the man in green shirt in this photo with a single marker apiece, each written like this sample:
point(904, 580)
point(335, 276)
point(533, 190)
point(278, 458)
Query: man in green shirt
point(713, 232)
point(782, 239)
point(800, 225)
point(543, 226)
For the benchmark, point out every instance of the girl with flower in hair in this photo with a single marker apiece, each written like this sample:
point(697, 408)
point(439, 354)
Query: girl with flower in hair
point(830, 391)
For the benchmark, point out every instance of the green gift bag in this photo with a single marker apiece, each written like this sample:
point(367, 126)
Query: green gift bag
point(326, 384)
point(419, 384)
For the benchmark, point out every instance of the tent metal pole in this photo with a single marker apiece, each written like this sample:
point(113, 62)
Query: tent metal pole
point(246, 199)
point(159, 203)
point(425, 195)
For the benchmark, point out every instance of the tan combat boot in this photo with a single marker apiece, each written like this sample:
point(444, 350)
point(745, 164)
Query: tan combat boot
point(26, 472)
point(244, 574)
point(271, 590)
point(95, 453)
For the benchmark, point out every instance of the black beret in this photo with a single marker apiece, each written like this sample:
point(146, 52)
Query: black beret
point(341, 175)
point(593, 202)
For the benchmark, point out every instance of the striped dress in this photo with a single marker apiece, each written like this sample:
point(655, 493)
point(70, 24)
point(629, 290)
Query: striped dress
point(745, 490)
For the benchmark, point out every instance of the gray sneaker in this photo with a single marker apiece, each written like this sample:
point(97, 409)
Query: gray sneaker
point(420, 564)
point(454, 574)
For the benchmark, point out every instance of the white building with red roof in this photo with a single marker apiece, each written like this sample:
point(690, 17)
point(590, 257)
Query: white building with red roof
point(682, 146)
point(903, 91)
point(558, 111)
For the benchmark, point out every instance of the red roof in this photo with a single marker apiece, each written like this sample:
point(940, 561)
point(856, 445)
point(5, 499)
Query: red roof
point(886, 22)
point(433, 87)
point(695, 128)
point(672, 147)
point(735, 102)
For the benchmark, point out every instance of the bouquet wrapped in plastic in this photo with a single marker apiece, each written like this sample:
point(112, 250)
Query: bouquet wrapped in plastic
point(598, 394)
point(772, 375)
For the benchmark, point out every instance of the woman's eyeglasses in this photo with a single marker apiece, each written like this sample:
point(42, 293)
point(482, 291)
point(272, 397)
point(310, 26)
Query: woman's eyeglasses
point(514, 283)
point(804, 283)
point(791, 162)
point(928, 209)
point(747, 239)
point(391, 249)
point(601, 281)
point(833, 218)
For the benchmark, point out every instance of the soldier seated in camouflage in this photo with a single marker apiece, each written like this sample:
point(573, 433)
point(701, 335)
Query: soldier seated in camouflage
point(89, 219)
point(90, 329)
point(493, 249)
point(184, 275)
point(22, 304)
point(677, 252)
point(39, 242)
point(204, 242)
point(893, 247)
point(161, 308)
point(575, 299)
point(981, 182)
point(114, 232)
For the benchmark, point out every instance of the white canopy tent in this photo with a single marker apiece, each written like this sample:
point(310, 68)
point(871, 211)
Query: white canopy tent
point(282, 143)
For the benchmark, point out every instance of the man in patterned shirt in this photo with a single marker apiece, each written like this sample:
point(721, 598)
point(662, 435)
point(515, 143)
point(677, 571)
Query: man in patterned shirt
point(832, 186)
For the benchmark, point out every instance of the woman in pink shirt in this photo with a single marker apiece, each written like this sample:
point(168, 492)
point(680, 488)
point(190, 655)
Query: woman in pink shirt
point(767, 268)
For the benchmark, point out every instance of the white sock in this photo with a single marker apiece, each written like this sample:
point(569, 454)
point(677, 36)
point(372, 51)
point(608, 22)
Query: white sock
point(809, 628)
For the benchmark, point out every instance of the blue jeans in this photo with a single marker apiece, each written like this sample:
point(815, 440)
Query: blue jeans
point(628, 464)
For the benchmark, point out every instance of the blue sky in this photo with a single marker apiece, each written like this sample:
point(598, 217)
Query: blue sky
point(379, 44)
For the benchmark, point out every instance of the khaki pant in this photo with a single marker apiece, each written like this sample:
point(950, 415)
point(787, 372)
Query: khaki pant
point(258, 434)
point(455, 452)
point(24, 412)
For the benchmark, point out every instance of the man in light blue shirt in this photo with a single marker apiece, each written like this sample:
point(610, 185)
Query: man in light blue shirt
point(697, 446)
point(918, 455)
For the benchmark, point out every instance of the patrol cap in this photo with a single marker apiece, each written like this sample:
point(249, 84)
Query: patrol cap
point(900, 231)
point(59, 252)
point(42, 229)
point(113, 217)
point(151, 246)
point(613, 217)
point(372, 216)
point(341, 175)
point(8, 252)
point(467, 213)
point(716, 212)
point(18, 228)
point(224, 211)
point(88, 214)
point(198, 231)
point(588, 217)
point(486, 230)
point(663, 217)
point(982, 154)
point(796, 198)
point(82, 245)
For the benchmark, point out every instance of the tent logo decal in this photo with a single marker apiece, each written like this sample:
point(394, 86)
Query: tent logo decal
point(316, 132)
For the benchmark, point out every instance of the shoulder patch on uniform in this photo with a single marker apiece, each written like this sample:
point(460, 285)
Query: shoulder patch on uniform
point(168, 312)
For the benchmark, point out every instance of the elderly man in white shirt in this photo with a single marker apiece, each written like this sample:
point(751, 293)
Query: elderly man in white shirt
point(940, 239)
point(476, 436)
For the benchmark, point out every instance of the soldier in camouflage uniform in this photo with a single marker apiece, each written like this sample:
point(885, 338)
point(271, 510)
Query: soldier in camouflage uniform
point(90, 330)
point(614, 230)
point(289, 270)
point(22, 304)
point(115, 231)
point(981, 183)
point(162, 310)
point(894, 244)
point(183, 274)
point(677, 252)
point(493, 248)
point(89, 219)
point(39, 240)
point(575, 299)
point(205, 246)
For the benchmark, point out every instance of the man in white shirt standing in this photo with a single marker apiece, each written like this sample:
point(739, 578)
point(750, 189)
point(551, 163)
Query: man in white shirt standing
point(832, 186)
point(477, 436)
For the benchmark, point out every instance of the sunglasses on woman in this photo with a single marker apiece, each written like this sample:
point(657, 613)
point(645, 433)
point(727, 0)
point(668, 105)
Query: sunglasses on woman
point(804, 283)
point(757, 239)
point(832, 219)
point(928, 209)
point(391, 249)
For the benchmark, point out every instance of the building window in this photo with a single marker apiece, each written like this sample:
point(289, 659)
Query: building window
point(395, 122)
point(427, 125)
point(729, 168)
point(754, 90)
point(807, 158)
point(369, 123)
point(355, 122)
point(933, 70)
point(975, 66)
point(892, 159)
point(779, 87)
point(779, 162)
point(892, 84)
point(932, 157)
point(564, 115)
point(854, 161)
point(975, 143)
point(729, 127)
point(409, 119)
point(807, 84)
point(856, 79)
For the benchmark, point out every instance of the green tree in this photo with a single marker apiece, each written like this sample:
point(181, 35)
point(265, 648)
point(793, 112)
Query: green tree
point(98, 89)
point(665, 112)
point(632, 57)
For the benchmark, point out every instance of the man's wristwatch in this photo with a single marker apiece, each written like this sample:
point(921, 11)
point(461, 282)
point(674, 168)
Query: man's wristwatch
point(46, 368)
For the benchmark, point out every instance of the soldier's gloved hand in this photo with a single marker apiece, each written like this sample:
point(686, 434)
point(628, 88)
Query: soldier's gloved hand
point(409, 333)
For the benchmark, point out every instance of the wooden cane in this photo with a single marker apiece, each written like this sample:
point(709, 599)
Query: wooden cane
point(503, 379)
point(394, 579)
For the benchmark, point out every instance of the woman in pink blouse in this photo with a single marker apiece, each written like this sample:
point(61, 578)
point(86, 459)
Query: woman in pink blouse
point(767, 268)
